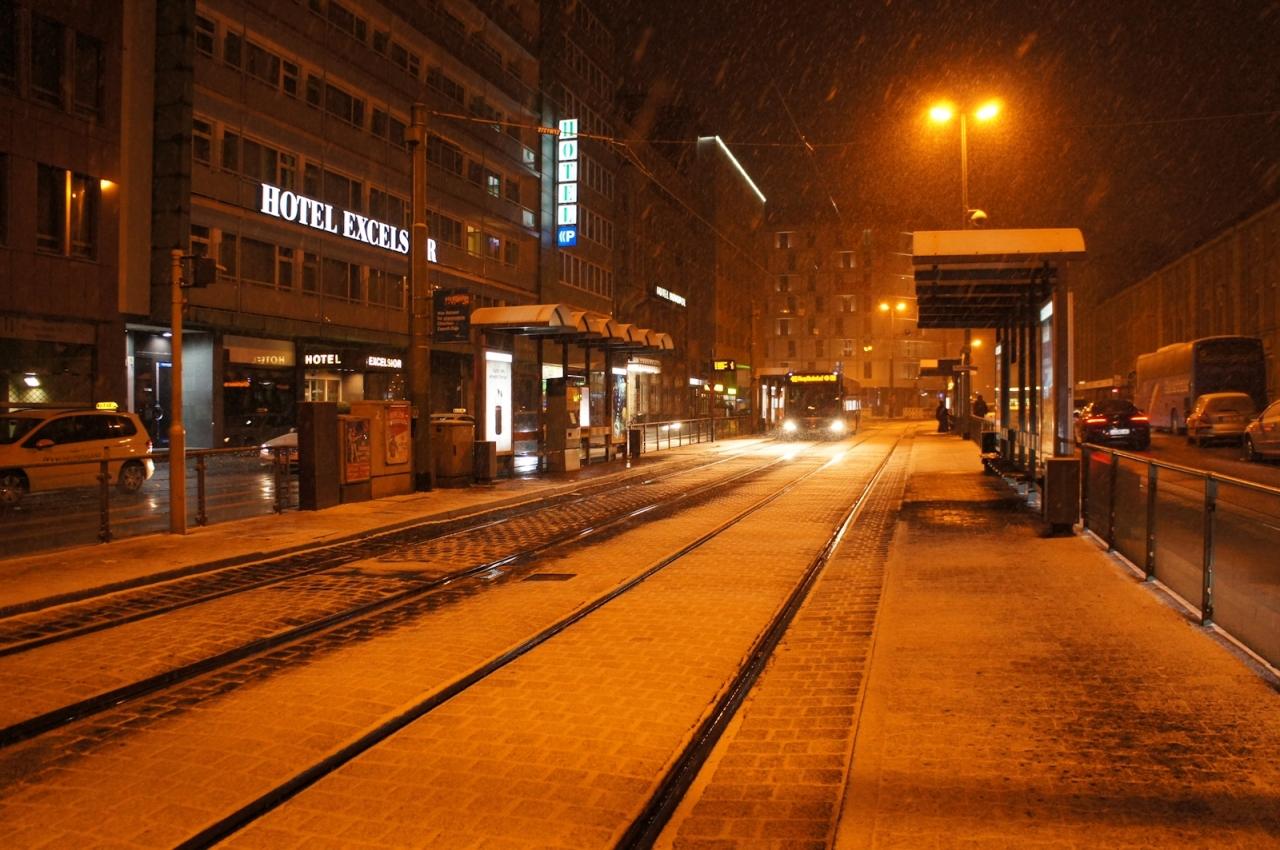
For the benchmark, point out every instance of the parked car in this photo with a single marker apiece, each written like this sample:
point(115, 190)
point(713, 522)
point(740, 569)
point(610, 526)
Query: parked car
point(1219, 416)
point(36, 445)
point(286, 444)
point(1113, 421)
point(1262, 435)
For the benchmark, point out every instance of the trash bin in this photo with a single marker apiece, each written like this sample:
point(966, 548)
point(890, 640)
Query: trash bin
point(451, 437)
point(635, 442)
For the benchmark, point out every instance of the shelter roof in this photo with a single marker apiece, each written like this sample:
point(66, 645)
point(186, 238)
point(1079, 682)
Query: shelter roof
point(982, 278)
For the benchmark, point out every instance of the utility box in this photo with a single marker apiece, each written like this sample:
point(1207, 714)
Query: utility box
point(451, 437)
point(1061, 499)
point(485, 461)
point(635, 442)
point(390, 446)
point(318, 454)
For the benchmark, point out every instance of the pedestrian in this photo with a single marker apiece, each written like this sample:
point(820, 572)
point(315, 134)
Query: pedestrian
point(941, 415)
point(980, 406)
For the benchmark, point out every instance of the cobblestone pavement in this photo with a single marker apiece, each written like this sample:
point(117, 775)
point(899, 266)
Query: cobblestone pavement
point(155, 772)
point(1030, 692)
point(777, 777)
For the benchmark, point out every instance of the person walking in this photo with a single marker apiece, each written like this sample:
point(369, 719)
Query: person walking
point(980, 406)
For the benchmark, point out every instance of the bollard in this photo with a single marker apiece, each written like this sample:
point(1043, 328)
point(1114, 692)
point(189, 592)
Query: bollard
point(1206, 586)
point(281, 469)
point(104, 501)
point(202, 517)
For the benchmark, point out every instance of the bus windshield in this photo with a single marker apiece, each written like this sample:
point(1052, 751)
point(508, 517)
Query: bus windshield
point(813, 399)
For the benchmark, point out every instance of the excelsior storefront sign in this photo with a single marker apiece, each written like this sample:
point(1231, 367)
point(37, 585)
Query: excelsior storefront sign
point(300, 209)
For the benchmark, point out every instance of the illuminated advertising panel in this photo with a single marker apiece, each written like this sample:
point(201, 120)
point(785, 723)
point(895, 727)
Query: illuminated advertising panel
point(497, 394)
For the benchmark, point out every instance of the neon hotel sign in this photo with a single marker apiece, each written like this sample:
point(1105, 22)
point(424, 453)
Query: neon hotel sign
point(309, 212)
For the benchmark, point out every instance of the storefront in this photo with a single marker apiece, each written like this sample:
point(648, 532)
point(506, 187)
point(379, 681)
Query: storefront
point(349, 373)
point(258, 389)
point(47, 362)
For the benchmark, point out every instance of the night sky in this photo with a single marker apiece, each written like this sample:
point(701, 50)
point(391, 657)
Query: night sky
point(1149, 125)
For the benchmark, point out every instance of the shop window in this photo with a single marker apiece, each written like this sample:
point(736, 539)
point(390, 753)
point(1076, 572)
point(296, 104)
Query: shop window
point(201, 140)
point(87, 91)
point(48, 57)
point(206, 35)
point(323, 389)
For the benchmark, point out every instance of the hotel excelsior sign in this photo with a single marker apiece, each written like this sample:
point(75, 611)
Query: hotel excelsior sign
point(299, 209)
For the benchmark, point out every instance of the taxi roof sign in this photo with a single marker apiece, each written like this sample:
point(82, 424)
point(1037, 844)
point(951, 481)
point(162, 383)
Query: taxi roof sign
point(107, 405)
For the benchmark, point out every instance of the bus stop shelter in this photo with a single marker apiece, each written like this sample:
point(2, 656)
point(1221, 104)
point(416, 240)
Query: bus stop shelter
point(1014, 281)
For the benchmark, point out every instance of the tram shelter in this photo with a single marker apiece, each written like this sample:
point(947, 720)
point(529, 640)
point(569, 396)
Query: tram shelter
point(576, 336)
point(1016, 282)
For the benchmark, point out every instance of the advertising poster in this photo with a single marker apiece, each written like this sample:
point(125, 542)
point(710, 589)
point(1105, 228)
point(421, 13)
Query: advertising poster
point(398, 437)
point(357, 460)
point(497, 408)
point(452, 311)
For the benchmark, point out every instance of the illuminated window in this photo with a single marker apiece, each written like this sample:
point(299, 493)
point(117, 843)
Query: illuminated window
point(782, 239)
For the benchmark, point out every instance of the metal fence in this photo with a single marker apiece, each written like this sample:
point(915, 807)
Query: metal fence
point(681, 432)
point(1211, 539)
point(222, 484)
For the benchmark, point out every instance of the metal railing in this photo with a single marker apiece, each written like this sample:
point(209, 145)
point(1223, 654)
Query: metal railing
point(683, 432)
point(1211, 539)
point(86, 505)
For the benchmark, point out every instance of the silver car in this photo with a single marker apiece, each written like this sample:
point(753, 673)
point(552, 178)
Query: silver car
point(1262, 435)
point(1219, 417)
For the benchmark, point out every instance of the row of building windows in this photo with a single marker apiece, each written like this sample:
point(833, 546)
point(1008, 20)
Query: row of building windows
point(290, 76)
point(589, 25)
point(597, 228)
point(67, 212)
point(64, 68)
point(791, 283)
point(285, 267)
point(576, 58)
point(589, 121)
point(597, 177)
point(449, 157)
point(589, 277)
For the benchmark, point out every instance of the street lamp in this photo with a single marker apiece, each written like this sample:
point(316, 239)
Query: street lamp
point(899, 306)
point(942, 113)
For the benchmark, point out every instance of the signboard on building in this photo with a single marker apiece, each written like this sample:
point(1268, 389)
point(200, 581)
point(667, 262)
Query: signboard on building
point(451, 309)
point(567, 184)
point(276, 353)
point(299, 209)
point(724, 365)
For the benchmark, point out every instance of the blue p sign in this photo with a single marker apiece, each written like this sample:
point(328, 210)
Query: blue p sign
point(567, 236)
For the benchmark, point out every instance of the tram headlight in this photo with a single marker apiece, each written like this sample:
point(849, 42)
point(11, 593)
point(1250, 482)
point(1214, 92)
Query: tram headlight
point(789, 426)
point(837, 426)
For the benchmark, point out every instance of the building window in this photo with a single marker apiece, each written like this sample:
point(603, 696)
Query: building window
point(512, 253)
point(846, 259)
point(784, 283)
point(288, 171)
point(819, 350)
point(782, 327)
point(4, 198)
point(232, 49)
point(263, 64)
point(201, 141)
point(791, 348)
point(83, 217)
point(344, 106)
point(445, 154)
point(8, 44)
point(87, 95)
point(342, 280)
point(48, 56)
point(866, 370)
point(289, 79)
point(848, 303)
point(473, 240)
point(846, 348)
point(310, 272)
point(230, 152)
point(493, 183)
point(789, 304)
point(206, 35)
point(257, 261)
point(492, 246)
point(199, 241)
point(315, 90)
point(227, 255)
point(284, 267)
point(782, 239)
point(66, 212)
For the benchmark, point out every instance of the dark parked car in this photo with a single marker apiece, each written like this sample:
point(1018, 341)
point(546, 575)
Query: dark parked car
point(1113, 421)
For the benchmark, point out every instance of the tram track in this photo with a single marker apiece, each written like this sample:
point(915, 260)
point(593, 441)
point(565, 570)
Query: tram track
point(672, 785)
point(27, 630)
point(98, 702)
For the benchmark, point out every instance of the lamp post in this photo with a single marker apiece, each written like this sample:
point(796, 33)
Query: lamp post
point(942, 113)
point(899, 306)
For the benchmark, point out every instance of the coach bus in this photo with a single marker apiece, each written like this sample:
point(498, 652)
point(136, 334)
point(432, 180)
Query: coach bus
point(1170, 379)
point(819, 404)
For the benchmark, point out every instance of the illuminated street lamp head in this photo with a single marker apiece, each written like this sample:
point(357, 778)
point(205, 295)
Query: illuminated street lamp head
point(976, 343)
point(884, 306)
point(941, 113)
point(988, 110)
point(901, 306)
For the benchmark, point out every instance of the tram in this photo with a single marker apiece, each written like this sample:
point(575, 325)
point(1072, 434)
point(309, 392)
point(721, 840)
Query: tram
point(821, 405)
